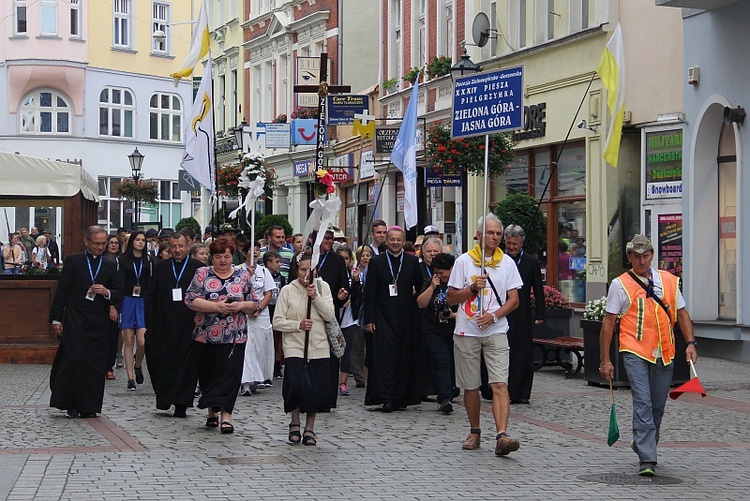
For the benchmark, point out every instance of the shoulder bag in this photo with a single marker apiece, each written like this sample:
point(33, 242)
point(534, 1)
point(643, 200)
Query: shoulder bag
point(335, 336)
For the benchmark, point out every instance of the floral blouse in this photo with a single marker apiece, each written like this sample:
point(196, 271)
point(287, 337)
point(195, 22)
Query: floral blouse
point(216, 328)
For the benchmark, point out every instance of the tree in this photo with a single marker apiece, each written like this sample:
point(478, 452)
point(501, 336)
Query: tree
point(518, 209)
point(262, 225)
point(189, 222)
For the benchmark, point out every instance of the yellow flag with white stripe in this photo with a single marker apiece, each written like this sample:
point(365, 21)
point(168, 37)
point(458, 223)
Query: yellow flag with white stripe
point(198, 47)
point(612, 72)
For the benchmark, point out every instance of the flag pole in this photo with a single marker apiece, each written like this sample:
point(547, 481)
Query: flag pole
point(484, 210)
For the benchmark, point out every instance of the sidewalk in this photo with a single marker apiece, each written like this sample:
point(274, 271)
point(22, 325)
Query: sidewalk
point(133, 451)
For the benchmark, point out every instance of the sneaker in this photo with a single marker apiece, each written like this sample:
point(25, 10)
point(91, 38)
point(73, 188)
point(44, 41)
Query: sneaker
point(131, 385)
point(110, 375)
point(245, 390)
point(120, 361)
point(268, 383)
point(277, 370)
point(138, 374)
point(445, 407)
point(197, 392)
point(343, 390)
point(472, 442)
point(505, 445)
point(359, 384)
point(647, 469)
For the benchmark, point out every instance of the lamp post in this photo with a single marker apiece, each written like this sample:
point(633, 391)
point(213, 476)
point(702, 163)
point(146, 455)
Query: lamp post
point(464, 67)
point(136, 161)
point(238, 138)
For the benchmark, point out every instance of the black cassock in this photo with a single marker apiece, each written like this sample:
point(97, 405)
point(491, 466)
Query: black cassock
point(169, 334)
point(77, 376)
point(520, 333)
point(394, 369)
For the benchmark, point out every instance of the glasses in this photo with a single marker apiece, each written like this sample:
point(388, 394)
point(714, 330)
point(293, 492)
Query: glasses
point(327, 238)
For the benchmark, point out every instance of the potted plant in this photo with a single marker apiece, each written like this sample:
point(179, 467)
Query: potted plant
point(390, 84)
point(452, 156)
point(302, 113)
point(143, 190)
point(557, 314)
point(411, 75)
point(439, 66)
point(280, 119)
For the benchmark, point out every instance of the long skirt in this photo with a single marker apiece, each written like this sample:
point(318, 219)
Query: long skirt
point(306, 388)
point(219, 372)
point(259, 354)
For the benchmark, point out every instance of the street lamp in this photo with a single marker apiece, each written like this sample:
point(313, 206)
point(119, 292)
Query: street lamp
point(464, 67)
point(136, 161)
point(238, 139)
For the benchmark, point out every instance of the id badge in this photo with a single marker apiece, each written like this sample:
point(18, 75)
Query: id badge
point(136, 291)
point(393, 289)
point(90, 295)
point(177, 294)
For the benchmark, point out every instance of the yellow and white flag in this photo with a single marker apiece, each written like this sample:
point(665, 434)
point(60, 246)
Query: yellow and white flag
point(198, 46)
point(198, 159)
point(612, 72)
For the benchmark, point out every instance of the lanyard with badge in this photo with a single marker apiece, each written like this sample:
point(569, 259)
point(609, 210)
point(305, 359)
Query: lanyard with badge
point(393, 288)
point(137, 286)
point(91, 295)
point(177, 291)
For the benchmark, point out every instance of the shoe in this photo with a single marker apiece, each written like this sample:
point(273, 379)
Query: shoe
point(110, 375)
point(212, 422)
point(197, 392)
point(245, 390)
point(87, 414)
point(359, 384)
point(138, 375)
point(227, 427)
point(72, 413)
point(456, 392)
point(309, 438)
point(180, 411)
point(294, 435)
point(253, 387)
point(120, 362)
point(505, 444)
point(343, 390)
point(277, 370)
point(268, 383)
point(387, 407)
point(131, 385)
point(647, 469)
point(472, 442)
point(445, 407)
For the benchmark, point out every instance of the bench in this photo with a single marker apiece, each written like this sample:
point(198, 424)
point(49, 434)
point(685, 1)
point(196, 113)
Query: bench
point(552, 350)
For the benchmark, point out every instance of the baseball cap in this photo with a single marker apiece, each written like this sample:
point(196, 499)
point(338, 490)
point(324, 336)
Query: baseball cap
point(639, 244)
point(151, 233)
point(211, 229)
point(430, 230)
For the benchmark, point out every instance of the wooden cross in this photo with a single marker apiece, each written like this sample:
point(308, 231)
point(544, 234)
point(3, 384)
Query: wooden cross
point(323, 89)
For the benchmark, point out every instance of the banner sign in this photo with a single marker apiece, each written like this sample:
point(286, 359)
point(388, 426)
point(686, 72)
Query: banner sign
point(670, 243)
point(487, 103)
point(304, 131)
point(435, 177)
point(342, 108)
point(664, 164)
point(308, 73)
point(278, 135)
point(303, 167)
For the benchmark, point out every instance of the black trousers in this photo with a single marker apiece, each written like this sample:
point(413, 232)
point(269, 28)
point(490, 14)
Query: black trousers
point(441, 361)
point(114, 338)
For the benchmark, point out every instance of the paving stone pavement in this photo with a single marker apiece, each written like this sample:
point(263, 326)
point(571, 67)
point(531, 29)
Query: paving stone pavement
point(133, 451)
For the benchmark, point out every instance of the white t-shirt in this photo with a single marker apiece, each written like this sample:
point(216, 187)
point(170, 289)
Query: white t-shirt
point(617, 298)
point(505, 277)
point(262, 282)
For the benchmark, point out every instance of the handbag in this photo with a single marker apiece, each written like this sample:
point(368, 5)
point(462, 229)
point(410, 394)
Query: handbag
point(335, 336)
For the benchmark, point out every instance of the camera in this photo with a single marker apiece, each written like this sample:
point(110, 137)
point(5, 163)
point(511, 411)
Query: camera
point(443, 311)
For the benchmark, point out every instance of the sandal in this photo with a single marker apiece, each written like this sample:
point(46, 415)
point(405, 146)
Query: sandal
point(294, 435)
point(227, 427)
point(212, 422)
point(309, 438)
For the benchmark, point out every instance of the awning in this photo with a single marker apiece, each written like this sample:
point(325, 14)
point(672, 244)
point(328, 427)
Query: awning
point(37, 177)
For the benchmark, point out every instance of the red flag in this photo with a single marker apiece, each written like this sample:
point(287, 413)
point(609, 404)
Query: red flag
point(692, 386)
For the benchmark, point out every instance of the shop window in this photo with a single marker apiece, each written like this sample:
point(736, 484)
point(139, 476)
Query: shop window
point(727, 255)
point(45, 112)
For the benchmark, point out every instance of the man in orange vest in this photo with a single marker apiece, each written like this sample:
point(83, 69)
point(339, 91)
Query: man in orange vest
point(648, 303)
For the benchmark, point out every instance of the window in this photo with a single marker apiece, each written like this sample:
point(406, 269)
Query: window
point(234, 97)
point(584, 14)
point(394, 54)
point(48, 16)
point(122, 16)
point(422, 45)
point(159, 23)
point(551, 14)
point(75, 18)
point(221, 104)
point(521, 24)
point(116, 110)
point(165, 118)
point(20, 14)
point(45, 112)
point(115, 212)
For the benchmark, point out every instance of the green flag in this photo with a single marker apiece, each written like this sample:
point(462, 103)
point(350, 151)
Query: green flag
point(614, 430)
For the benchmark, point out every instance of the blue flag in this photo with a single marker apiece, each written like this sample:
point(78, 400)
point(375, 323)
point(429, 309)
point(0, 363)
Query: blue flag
point(404, 156)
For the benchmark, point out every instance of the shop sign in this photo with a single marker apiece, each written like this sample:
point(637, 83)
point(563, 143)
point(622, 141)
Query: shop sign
point(343, 107)
point(670, 243)
point(436, 177)
point(728, 227)
point(344, 172)
point(664, 164)
point(278, 135)
point(308, 73)
point(367, 165)
point(385, 138)
point(534, 125)
point(186, 182)
point(303, 167)
point(305, 131)
point(487, 103)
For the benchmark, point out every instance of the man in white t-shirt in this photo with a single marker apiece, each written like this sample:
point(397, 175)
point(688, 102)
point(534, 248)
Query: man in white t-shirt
point(482, 327)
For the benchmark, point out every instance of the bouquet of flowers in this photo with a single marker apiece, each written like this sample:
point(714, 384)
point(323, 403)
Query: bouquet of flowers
point(144, 190)
point(324, 183)
point(553, 298)
point(453, 155)
point(595, 309)
point(250, 166)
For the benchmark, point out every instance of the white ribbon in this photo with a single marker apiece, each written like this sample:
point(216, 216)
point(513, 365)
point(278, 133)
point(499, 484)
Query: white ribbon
point(255, 189)
point(323, 211)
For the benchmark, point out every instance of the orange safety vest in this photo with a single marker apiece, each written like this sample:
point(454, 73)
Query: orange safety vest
point(645, 325)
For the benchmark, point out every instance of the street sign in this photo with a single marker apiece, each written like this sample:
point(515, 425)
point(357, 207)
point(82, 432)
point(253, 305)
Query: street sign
point(487, 103)
point(385, 138)
point(186, 182)
point(343, 107)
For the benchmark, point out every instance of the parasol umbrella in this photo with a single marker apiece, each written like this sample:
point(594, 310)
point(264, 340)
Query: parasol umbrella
point(692, 386)
point(614, 431)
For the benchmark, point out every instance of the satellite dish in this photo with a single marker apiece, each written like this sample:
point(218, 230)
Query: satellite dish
point(480, 29)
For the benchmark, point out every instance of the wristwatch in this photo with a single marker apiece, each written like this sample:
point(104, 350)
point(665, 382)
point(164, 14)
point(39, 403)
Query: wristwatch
point(494, 318)
point(692, 342)
point(473, 289)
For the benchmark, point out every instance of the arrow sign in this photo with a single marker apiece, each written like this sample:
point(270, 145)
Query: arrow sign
point(339, 175)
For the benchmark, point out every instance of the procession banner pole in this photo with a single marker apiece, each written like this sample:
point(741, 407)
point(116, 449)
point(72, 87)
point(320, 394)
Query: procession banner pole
point(485, 203)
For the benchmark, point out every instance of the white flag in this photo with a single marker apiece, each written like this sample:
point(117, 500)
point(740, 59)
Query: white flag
point(198, 158)
point(404, 156)
point(198, 46)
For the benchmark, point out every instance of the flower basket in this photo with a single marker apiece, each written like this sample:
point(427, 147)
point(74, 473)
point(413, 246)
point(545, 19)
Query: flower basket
point(144, 190)
point(411, 75)
point(595, 309)
point(301, 113)
point(439, 66)
point(251, 165)
point(452, 156)
point(324, 183)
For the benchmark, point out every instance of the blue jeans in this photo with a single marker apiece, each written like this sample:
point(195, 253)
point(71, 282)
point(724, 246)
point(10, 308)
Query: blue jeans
point(649, 384)
point(13, 271)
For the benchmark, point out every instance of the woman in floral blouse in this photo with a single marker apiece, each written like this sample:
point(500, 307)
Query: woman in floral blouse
point(220, 295)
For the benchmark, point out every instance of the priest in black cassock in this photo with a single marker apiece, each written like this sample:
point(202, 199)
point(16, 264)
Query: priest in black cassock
point(80, 318)
point(391, 317)
point(169, 329)
point(332, 269)
point(520, 332)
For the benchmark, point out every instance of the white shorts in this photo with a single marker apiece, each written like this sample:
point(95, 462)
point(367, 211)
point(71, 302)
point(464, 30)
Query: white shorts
point(468, 350)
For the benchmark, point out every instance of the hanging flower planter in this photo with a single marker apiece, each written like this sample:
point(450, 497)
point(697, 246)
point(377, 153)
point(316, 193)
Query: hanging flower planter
point(145, 190)
point(302, 113)
point(251, 165)
point(451, 156)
